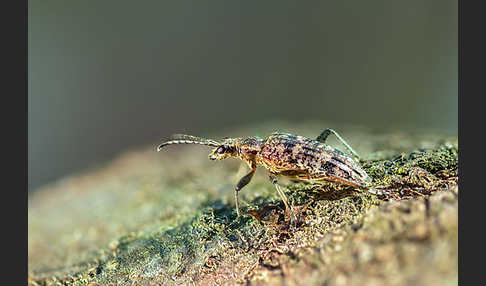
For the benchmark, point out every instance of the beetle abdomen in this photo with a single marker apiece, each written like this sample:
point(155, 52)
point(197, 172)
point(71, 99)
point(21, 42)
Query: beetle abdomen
point(306, 159)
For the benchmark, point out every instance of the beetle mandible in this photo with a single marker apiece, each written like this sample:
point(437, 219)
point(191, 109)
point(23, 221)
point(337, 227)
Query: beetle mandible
point(287, 155)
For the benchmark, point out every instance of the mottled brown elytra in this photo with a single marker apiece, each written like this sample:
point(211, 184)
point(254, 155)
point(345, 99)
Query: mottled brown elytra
point(288, 155)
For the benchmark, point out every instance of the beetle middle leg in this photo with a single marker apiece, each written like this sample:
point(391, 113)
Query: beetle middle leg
point(322, 138)
point(241, 183)
point(274, 181)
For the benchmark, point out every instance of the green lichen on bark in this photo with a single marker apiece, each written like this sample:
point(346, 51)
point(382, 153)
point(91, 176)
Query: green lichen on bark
point(169, 218)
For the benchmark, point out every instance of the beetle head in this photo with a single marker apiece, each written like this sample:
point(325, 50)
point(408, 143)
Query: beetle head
point(225, 150)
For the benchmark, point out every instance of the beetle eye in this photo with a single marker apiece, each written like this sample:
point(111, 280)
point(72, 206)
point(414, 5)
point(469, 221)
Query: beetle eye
point(221, 150)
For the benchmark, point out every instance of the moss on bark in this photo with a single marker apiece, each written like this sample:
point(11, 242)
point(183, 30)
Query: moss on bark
point(152, 218)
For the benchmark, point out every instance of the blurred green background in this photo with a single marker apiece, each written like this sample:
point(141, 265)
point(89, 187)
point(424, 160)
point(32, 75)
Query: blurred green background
point(106, 76)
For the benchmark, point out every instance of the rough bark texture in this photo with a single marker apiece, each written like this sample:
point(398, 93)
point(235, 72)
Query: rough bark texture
point(168, 218)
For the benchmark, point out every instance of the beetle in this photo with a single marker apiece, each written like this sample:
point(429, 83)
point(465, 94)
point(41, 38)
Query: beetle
point(288, 155)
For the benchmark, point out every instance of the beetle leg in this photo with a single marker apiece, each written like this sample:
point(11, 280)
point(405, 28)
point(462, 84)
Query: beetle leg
point(241, 183)
point(274, 181)
point(322, 138)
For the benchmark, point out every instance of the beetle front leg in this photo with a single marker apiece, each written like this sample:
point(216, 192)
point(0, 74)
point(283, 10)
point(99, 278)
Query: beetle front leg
point(241, 183)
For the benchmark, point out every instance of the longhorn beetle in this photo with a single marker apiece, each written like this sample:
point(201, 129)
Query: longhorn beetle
point(288, 155)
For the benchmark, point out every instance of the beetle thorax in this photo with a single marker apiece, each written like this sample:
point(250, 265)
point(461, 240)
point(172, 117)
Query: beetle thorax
point(250, 146)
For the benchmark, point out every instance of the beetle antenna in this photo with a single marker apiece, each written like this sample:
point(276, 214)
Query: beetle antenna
point(188, 139)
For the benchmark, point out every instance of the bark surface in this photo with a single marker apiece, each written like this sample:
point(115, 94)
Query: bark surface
point(168, 218)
